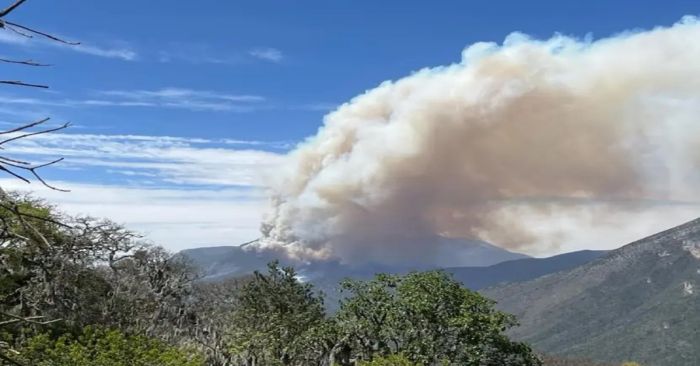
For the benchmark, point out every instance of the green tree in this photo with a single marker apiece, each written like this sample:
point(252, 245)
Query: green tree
point(430, 319)
point(275, 319)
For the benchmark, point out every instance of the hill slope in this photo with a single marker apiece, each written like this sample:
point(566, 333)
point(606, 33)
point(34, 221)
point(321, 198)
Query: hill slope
point(639, 303)
point(520, 270)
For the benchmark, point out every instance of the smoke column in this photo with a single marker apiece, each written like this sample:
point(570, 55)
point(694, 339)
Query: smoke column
point(513, 137)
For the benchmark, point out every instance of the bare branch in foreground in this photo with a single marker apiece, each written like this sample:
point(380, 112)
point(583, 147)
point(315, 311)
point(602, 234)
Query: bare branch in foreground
point(5, 24)
point(12, 7)
point(21, 83)
point(23, 62)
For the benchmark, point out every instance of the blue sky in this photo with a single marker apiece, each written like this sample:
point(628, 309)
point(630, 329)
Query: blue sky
point(180, 107)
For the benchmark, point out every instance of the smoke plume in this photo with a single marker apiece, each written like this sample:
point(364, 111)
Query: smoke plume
point(512, 138)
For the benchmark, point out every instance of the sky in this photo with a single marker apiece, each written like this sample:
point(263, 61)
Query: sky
point(181, 109)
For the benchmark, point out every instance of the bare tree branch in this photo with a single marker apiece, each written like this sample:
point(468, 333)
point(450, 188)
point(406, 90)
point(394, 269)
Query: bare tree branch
point(26, 126)
point(15, 30)
point(21, 83)
point(12, 7)
point(8, 163)
point(64, 126)
point(28, 319)
point(34, 31)
point(23, 62)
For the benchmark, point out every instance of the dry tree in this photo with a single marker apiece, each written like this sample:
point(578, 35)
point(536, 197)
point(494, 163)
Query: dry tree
point(22, 169)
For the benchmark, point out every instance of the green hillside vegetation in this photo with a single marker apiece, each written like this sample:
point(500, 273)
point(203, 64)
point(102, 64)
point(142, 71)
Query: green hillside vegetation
point(85, 291)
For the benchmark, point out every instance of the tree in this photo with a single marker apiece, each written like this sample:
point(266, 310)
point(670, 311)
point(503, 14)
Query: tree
point(430, 319)
point(59, 274)
point(16, 167)
point(418, 319)
point(207, 318)
point(273, 319)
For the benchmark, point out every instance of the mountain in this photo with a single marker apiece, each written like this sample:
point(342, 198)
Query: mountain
point(230, 261)
point(521, 270)
point(639, 303)
point(226, 261)
point(217, 263)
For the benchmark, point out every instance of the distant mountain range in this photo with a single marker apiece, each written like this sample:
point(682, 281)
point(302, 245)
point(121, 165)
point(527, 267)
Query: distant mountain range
point(218, 263)
point(231, 261)
point(638, 303)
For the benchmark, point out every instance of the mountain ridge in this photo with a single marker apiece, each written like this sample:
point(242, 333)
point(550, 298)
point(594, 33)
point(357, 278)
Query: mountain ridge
point(638, 302)
point(224, 261)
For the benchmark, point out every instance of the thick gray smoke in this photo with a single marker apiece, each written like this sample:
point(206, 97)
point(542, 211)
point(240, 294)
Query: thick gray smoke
point(495, 147)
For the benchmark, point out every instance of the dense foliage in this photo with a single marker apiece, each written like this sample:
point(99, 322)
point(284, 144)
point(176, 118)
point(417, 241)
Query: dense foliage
point(95, 347)
point(82, 291)
point(427, 317)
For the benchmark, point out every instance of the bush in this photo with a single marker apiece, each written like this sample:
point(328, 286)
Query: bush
point(97, 347)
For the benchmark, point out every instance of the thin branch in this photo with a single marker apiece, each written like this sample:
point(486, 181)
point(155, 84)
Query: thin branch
point(65, 125)
point(14, 30)
point(24, 127)
point(33, 170)
point(8, 171)
point(37, 176)
point(29, 319)
point(10, 8)
point(20, 83)
point(32, 230)
point(10, 160)
point(49, 36)
point(23, 62)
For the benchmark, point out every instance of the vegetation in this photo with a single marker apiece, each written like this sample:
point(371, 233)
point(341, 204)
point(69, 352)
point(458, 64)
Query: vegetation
point(427, 318)
point(78, 290)
point(430, 319)
point(96, 347)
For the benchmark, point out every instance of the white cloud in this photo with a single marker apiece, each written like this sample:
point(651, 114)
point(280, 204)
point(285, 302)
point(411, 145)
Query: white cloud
point(180, 98)
point(179, 192)
point(267, 54)
point(123, 52)
point(199, 54)
point(172, 160)
point(11, 38)
point(176, 219)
